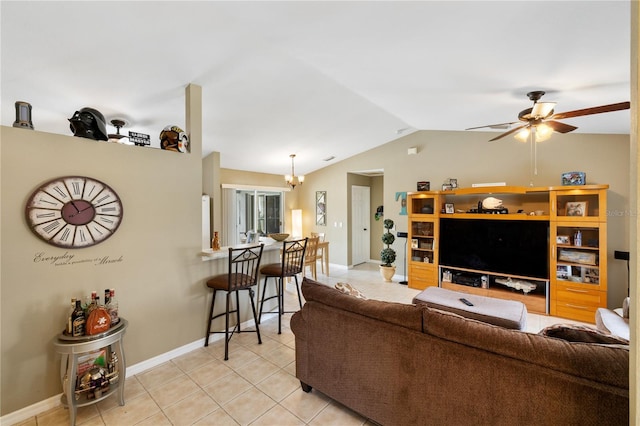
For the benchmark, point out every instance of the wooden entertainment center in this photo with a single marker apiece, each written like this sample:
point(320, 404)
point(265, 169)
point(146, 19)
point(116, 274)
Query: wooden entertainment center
point(575, 283)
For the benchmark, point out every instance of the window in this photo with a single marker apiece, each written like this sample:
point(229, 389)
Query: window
point(248, 211)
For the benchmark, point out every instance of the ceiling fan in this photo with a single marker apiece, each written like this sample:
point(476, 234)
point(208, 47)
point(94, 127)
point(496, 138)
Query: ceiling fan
point(541, 119)
point(117, 137)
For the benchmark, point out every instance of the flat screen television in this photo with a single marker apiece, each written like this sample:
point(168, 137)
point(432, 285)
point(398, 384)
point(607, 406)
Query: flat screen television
point(510, 247)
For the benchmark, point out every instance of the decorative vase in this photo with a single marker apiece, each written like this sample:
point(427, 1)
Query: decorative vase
point(387, 272)
point(215, 243)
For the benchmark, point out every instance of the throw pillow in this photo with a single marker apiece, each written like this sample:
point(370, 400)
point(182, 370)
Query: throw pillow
point(582, 334)
point(350, 290)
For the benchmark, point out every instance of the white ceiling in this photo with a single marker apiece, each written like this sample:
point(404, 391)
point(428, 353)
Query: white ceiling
point(316, 79)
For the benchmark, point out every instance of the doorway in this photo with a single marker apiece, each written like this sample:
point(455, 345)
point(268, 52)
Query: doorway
point(361, 234)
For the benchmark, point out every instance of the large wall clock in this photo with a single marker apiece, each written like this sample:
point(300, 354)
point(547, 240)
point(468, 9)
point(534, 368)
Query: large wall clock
point(74, 211)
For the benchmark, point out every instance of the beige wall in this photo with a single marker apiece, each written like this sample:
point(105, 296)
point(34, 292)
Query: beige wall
point(160, 280)
point(468, 157)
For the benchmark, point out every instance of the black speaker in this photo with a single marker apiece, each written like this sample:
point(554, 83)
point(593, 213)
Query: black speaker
point(620, 255)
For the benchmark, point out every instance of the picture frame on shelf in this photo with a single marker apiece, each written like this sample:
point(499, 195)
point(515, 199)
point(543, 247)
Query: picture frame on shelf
point(576, 208)
point(447, 187)
point(573, 178)
point(563, 239)
point(563, 272)
point(448, 208)
point(414, 243)
point(424, 186)
point(427, 245)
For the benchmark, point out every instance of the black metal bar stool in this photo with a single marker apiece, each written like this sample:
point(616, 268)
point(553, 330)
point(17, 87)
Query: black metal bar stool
point(291, 264)
point(244, 267)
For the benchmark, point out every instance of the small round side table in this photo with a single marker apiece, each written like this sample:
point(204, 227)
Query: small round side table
point(71, 348)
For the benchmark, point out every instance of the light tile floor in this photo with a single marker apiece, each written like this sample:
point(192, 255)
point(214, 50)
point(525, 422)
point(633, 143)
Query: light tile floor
point(256, 386)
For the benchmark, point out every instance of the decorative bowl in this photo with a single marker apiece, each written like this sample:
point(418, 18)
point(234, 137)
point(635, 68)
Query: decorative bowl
point(279, 237)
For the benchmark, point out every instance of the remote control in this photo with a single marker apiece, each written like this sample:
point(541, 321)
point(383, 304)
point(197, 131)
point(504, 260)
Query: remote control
point(465, 301)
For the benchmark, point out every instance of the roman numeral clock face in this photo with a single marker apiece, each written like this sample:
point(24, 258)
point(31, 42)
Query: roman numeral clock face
point(74, 212)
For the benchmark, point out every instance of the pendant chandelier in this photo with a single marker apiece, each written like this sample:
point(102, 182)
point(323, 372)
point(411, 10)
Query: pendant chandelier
point(293, 180)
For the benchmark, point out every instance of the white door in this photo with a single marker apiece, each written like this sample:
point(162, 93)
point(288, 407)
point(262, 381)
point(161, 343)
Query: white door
point(360, 220)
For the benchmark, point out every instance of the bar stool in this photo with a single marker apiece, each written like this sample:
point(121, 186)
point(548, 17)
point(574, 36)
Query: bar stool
point(292, 263)
point(244, 264)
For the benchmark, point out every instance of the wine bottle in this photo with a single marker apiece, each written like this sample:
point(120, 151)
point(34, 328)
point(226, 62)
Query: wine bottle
point(69, 328)
point(112, 307)
point(78, 320)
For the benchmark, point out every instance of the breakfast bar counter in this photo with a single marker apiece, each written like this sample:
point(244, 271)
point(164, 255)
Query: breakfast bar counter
point(223, 253)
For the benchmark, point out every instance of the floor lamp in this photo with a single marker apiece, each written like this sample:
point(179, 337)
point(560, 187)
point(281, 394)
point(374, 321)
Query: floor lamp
point(404, 235)
point(624, 255)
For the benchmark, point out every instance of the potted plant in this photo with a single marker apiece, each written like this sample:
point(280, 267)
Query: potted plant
point(388, 255)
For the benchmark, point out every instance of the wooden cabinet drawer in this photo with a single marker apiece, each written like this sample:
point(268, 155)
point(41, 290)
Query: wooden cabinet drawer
point(576, 312)
point(422, 275)
point(578, 302)
point(580, 296)
point(420, 283)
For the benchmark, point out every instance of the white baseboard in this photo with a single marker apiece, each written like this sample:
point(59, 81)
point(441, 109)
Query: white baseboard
point(30, 411)
point(55, 401)
point(143, 366)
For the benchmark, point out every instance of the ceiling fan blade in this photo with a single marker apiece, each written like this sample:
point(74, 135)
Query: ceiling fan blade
point(507, 133)
point(593, 110)
point(542, 109)
point(494, 126)
point(560, 127)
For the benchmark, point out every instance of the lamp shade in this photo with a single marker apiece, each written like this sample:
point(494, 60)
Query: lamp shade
point(296, 223)
point(523, 134)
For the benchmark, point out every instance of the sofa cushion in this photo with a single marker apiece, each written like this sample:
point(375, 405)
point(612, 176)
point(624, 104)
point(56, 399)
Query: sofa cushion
point(401, 314)
point(505, 313)
point(584, 334)
point(577, 359)
point(613, 323)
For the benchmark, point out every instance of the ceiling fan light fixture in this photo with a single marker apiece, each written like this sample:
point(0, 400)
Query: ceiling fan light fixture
point(523, 134)
point(118, 123)
point(543, 132)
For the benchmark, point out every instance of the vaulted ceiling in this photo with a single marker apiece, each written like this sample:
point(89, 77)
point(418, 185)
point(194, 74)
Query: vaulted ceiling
point(317, 79)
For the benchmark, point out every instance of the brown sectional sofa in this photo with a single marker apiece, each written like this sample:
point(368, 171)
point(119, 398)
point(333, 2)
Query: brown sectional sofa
point(400, 364)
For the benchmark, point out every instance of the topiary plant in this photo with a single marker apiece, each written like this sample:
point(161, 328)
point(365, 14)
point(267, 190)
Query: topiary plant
point(388, 255)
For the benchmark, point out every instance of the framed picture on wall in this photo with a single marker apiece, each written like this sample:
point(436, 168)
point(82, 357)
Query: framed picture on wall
point(321, 208)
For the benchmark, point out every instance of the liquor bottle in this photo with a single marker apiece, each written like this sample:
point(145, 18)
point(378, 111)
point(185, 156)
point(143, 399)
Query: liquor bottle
point(93, 304)
point(107, 295)
point(112, 307)
point(78, 320)
point(69, 330)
